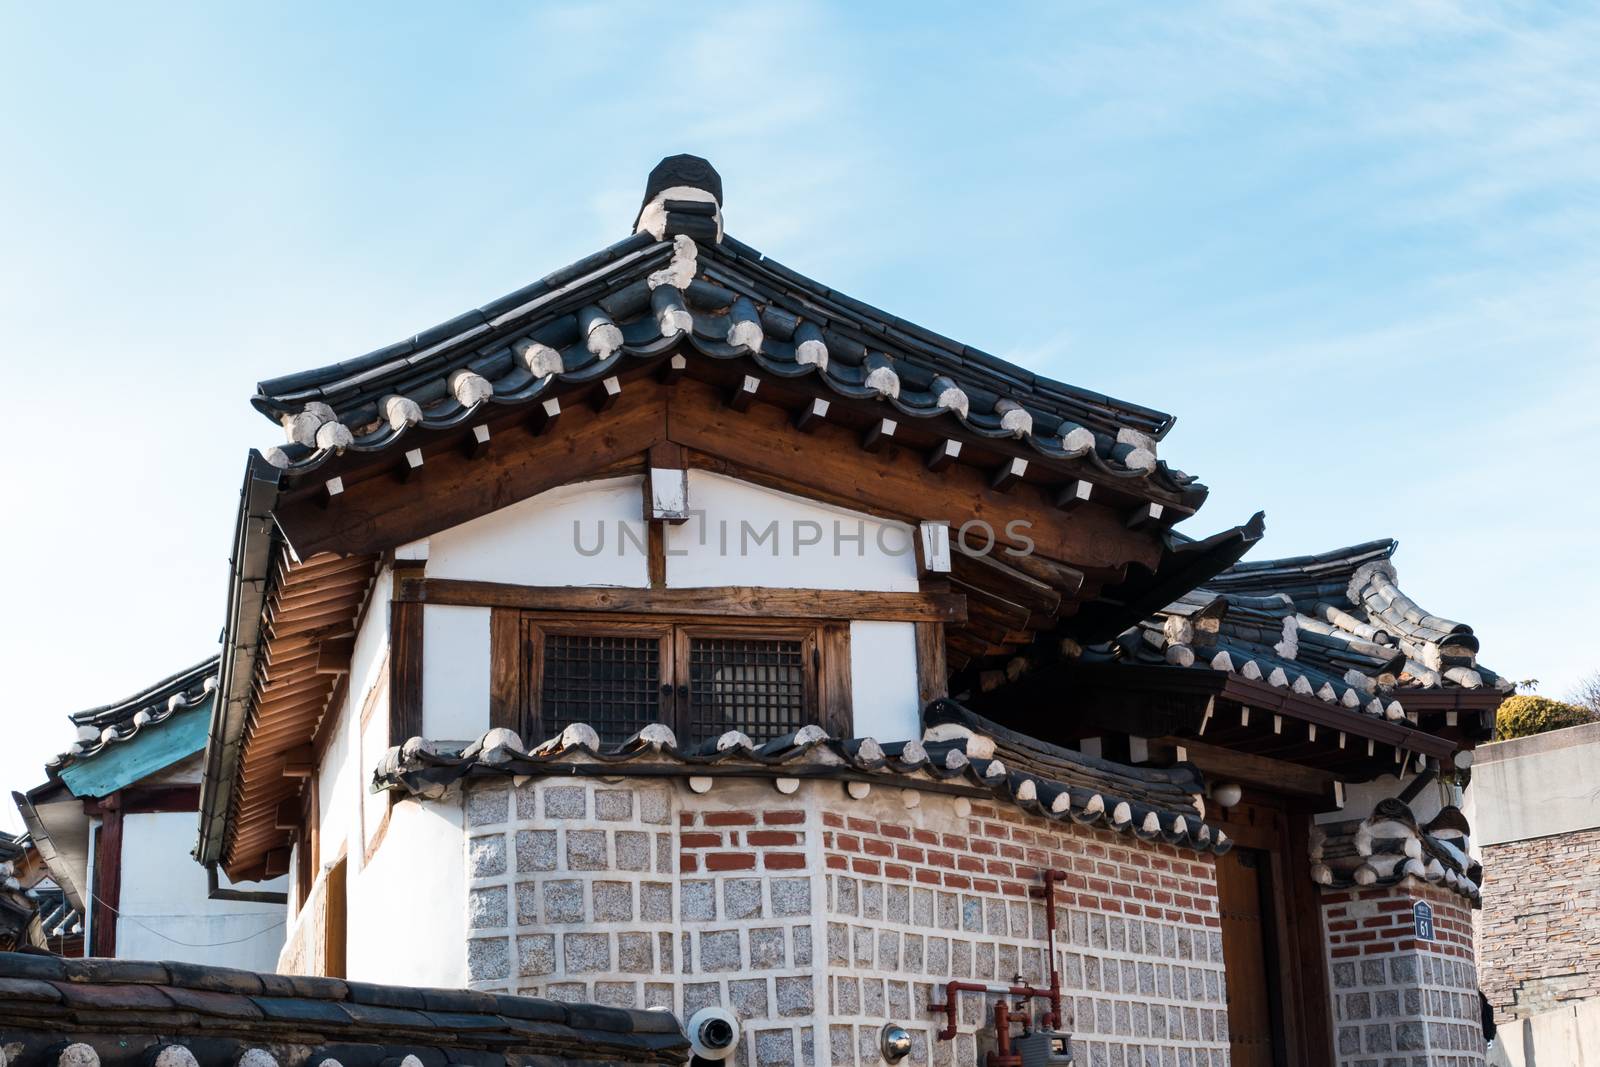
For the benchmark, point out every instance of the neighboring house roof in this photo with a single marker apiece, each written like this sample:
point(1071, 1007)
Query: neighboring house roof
point(683, 282)
point(1390, 845)
point(120, 743)
point(57, 917)
point(1334, 625)
point(99, 728)
point(961, 749)
point(129, 1009)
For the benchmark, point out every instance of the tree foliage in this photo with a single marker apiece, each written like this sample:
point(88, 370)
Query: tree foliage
point(1524, 715)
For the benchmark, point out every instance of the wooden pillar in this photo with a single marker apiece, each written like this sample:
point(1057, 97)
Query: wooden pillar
point(107, 887)
point(405, 662)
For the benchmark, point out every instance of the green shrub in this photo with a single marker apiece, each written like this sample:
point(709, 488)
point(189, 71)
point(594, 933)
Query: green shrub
point(1524, 715)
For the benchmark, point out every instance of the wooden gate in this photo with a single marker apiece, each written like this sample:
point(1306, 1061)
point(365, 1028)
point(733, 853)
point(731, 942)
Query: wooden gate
point(1255, 1028)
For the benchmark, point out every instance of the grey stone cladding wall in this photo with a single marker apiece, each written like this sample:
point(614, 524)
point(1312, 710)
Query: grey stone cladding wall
point(1403, 1002)
point(641, 893)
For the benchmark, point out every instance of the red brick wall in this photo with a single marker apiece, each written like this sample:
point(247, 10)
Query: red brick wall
point(1004, 852)
point(717, 841)
point(1351, 933)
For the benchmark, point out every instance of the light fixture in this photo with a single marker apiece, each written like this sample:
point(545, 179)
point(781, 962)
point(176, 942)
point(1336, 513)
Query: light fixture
point(1463, 759)
point(895, 1043)
point(713, 1033)
point(1226, 794)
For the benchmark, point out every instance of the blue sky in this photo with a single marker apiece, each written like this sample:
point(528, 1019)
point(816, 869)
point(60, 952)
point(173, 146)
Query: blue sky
point(1354, 247)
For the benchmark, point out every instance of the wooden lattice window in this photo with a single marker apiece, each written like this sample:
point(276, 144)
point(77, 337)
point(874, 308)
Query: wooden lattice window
point(701, 679)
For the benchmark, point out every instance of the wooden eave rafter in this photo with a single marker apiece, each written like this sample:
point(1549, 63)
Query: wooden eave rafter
point(311, 605)
point(371, 512)
point(1013, 598)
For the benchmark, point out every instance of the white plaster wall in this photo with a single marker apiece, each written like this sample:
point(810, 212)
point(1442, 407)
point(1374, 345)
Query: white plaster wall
point(532, 542)
point(342, 775)
point(883, 680)
point(338, 778)
point(406, 924)
point(723, 544)
point(166, 913)
point(455, 672)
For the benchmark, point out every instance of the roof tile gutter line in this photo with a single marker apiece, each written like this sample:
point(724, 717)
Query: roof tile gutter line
point(255, 536)
point(187, 677)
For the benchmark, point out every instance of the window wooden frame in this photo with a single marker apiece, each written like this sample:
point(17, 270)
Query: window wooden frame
point(517, 662)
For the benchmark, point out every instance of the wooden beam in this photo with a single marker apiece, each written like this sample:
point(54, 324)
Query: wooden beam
point(608, 392)
point(107, 879)
point(505, 669)
point(276, 864)
point(672, 368)
point(333, 657)
point(410, 465)
point(809, 416)
point(1224, 764)
point(477, 442)
point(1074, 495)
point(1145, 516)
point(733, 601)
point(288, 815)
point(879, 434)
point(300, 762)
point(933, 675)
point(1008, 474)
point(405, 668)
point(545, 416)
point(945, 454)
point(746, 392)
point(838, 708)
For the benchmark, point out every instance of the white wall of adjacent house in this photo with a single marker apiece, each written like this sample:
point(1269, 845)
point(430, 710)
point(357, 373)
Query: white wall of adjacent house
point(165, 912)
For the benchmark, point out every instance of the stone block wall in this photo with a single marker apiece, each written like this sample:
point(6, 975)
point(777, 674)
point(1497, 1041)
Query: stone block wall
point(1539, 928)
point(819, 916)
point(1399, 1001)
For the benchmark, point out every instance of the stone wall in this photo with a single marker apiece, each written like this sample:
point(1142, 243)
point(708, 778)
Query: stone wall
point(1539, 929)
point(1399, 1001)
point(819, 915)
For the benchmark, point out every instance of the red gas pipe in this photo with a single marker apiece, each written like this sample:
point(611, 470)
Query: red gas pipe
point(1026, 992)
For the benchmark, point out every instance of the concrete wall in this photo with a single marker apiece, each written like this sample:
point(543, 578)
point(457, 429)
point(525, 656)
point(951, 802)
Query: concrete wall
point(1536, 786)
point(819, 917)
point(1568, 1036)
point(165, 912)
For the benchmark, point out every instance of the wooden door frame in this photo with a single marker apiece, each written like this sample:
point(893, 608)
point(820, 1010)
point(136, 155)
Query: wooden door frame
point(1281, 829)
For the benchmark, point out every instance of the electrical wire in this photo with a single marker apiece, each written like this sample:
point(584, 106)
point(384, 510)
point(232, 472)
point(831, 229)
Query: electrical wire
point(191, 944)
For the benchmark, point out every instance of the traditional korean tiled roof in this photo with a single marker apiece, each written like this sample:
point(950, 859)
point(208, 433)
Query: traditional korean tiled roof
point(101, 727)
point(1153, 805)
point(1390, 845)
point(1334, 626)
point(57, 917)
point(681, 284)
point(134, 1011)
